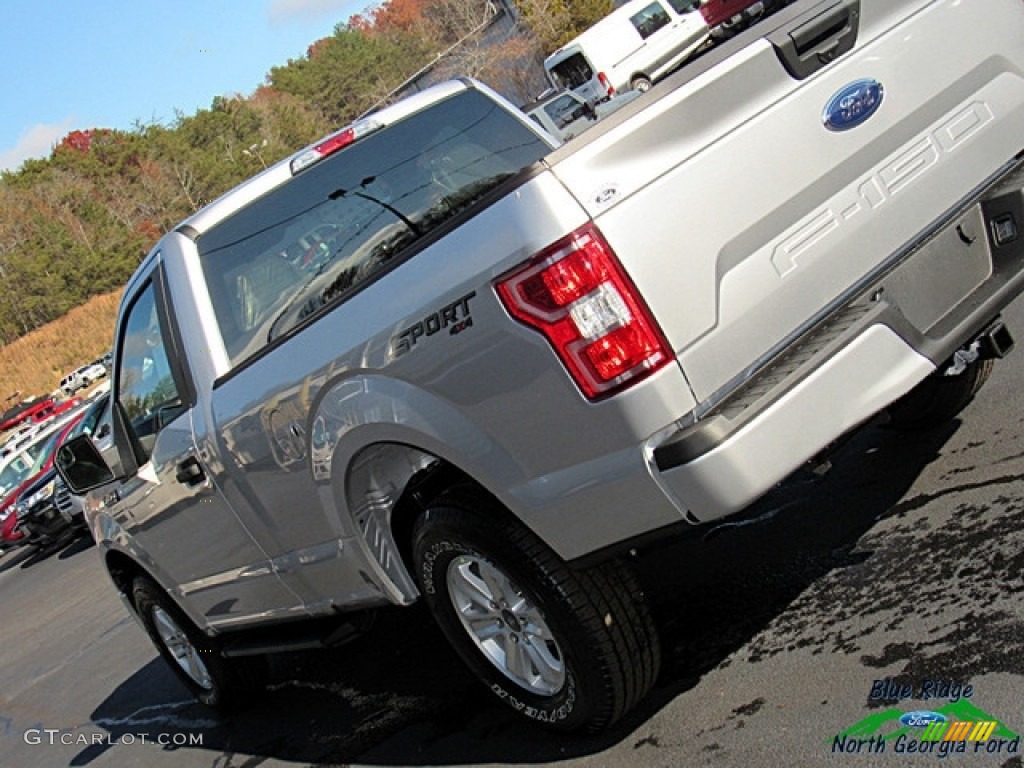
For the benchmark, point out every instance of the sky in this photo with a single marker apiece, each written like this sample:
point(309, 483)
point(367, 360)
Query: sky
point(74, 65)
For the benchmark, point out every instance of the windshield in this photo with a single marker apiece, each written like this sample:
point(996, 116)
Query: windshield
point(332, 228)
point(12, 475)
point(563, 110)
point(90, 423)
point(27, 463)
point(45, 452)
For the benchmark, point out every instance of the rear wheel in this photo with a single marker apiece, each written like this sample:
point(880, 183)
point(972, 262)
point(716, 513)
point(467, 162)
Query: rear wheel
point(216, 681)
point(640, 83)
point(939, 398)
point(573, 649)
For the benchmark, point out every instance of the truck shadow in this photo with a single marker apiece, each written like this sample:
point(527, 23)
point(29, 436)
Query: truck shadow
point(400, 696)
point(64, 547)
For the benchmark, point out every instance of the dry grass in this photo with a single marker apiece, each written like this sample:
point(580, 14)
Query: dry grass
point(35, 364)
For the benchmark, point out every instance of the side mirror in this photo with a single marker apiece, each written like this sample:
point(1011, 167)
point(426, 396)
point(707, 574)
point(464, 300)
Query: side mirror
point(81, 466)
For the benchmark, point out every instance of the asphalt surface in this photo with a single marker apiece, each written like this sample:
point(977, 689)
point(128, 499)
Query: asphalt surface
point(840, 602)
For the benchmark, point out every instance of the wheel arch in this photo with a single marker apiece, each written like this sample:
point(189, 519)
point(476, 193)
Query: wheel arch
point(383, 448)
point(387, 487)
point(124, 569)
point(641, 76)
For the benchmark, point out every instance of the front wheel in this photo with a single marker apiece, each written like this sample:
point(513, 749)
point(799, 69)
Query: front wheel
point(573, 649)
point(216, 681)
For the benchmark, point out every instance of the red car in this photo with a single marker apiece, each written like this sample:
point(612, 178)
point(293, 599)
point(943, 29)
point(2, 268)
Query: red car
point(23, 412)
point(55, 409)
point(727, 17)
point(19, 470)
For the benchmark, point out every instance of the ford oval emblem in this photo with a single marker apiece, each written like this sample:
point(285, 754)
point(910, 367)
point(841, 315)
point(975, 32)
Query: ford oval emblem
point(853, 105)
point(921, 718)
point(606, 194)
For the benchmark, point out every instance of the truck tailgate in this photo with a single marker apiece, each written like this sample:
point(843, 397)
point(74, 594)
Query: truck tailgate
point(742, 217)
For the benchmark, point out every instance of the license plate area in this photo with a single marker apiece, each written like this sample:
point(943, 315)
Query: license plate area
point(941, 274)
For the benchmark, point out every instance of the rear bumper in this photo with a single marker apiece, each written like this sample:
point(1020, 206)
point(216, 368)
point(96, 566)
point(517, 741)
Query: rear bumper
point(863, 378)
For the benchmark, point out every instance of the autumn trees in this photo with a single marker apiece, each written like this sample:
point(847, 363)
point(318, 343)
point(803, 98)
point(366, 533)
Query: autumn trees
point(76, 224)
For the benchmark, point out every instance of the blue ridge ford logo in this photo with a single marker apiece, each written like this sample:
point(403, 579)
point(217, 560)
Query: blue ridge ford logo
point(921, 718)
point(852, 105)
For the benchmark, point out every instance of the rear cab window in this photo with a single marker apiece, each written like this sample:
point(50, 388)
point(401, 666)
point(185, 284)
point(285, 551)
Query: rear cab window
point(330, 230)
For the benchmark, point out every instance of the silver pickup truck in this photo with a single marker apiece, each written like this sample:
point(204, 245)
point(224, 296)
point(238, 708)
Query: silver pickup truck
point(435, 358)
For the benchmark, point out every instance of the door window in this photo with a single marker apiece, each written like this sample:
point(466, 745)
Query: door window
point(146, 388)
point(650, 20)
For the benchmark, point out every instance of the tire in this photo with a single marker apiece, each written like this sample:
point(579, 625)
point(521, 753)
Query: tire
point(640, 83)
point(571, 649)
point(938, 399)
point(216, 681)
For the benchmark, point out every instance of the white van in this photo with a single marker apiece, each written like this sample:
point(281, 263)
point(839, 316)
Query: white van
point(632, 47)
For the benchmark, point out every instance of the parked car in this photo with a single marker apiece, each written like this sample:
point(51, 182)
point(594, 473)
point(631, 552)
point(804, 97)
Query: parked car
point(566, 114)
point(20, 471)
point(18, 440)
point(82, 377)
point(23, 412)
point(16, 471)
point(45, 509)
point(103, 360)
point(55, 408)
point(725, 18)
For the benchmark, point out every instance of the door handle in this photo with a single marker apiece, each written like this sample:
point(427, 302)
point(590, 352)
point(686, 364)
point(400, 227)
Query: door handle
point(190, 472)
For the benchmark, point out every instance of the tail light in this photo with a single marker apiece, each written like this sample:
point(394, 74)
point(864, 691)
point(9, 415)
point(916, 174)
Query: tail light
point(577, 295)
point(606, 83)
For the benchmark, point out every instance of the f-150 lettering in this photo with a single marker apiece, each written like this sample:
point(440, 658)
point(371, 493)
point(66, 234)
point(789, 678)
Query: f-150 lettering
point(911, 166)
